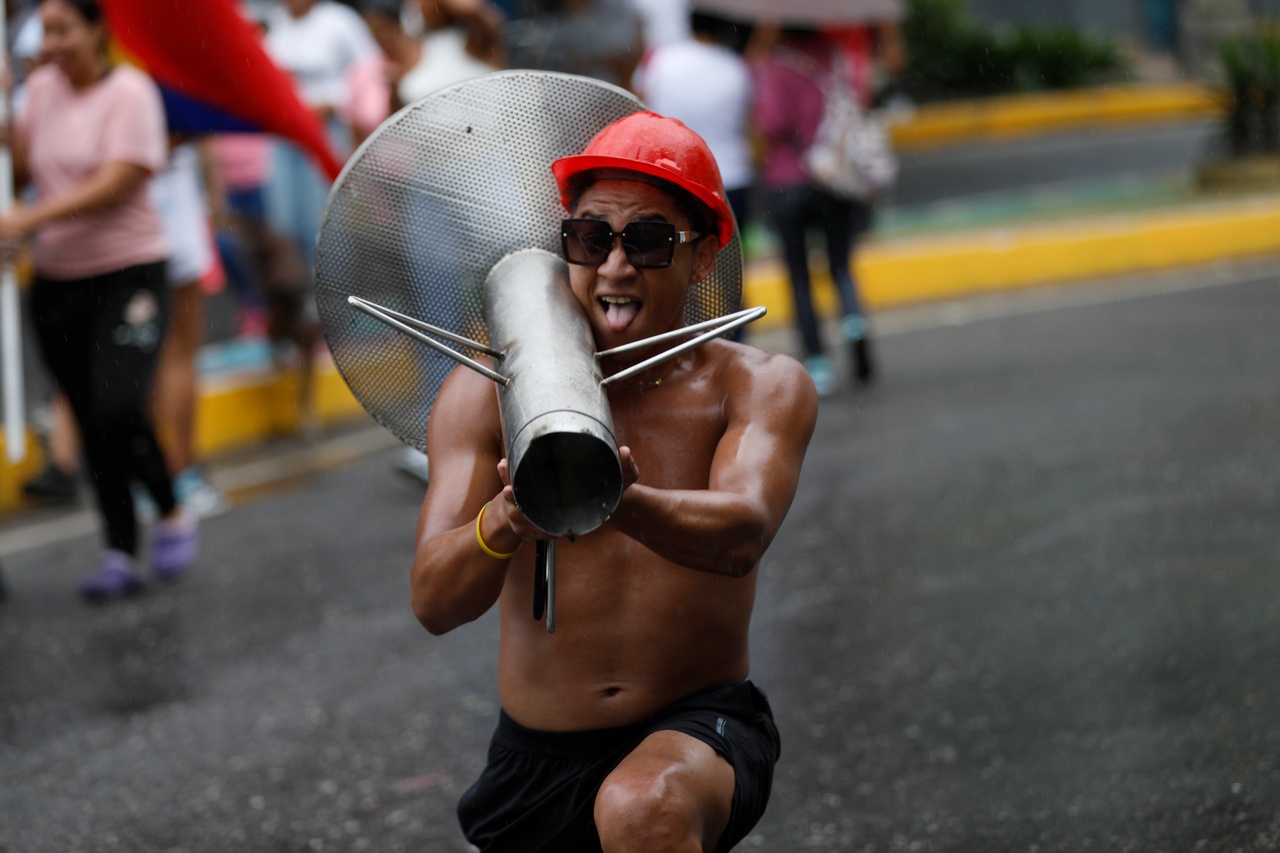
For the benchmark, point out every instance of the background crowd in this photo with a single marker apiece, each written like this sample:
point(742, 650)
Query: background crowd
point(116, 206)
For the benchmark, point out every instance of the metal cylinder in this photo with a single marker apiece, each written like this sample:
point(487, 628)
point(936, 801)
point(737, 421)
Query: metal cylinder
point(561, 452)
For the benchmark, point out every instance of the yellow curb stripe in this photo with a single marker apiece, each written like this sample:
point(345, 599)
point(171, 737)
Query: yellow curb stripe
point(233, 413)
point(1022, 115)
point(905, 271)
point(242, 411)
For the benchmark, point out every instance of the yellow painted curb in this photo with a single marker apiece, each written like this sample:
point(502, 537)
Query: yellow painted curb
point(242, 410)
point(234, 413)
point(1022, 115)
point(14, 474)
point(903, 271)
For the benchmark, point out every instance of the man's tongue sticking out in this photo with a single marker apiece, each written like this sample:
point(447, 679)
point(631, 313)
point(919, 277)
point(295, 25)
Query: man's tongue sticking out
point(619, 314)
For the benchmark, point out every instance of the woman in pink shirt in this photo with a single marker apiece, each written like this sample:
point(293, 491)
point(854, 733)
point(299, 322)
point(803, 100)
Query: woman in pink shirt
point(89, 136)
point(789, 104)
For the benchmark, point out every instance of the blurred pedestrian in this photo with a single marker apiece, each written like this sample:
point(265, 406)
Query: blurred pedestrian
point(178, 193)
point(719, 108)
point(90, 135)
point(603, 39)
point(317, 42)
point(236, 169)
point(449, 41)
point(240, 162)
point(663, 21)
point(460, 39)
point(790, 82)
point(58, 481)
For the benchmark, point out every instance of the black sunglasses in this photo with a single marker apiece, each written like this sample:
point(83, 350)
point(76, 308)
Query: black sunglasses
point(649, 245)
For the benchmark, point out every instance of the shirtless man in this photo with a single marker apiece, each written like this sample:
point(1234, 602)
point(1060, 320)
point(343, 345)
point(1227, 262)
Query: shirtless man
point(633, 728)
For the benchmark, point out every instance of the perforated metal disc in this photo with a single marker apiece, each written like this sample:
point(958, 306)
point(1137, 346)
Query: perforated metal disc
point(432, 200)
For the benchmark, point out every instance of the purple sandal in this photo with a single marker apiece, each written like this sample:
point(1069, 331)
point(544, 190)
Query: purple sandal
point(173, 549)
point(114, 578)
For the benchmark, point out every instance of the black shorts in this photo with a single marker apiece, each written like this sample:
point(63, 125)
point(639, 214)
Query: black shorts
point(539, 789)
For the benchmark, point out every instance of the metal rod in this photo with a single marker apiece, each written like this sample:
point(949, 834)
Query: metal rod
point(435, 331)
point(380, 313)
point(544, 582)
point(551, 587)
point(540, 579)
point(741, 319)
point(685, 330)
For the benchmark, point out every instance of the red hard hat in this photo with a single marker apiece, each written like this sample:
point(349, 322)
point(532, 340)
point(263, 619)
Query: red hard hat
point(657, 146)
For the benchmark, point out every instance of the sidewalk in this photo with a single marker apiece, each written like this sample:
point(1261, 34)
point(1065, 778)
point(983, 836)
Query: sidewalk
point(1015, 240)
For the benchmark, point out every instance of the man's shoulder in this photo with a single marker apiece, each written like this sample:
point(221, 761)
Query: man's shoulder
point(748, 357)
point(466, 389)
point(465, 410)
point(754, 371)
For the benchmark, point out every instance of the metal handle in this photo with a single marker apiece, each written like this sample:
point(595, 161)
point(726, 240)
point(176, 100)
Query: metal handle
point(544, 583)
point(718, 327)
point(407, 324)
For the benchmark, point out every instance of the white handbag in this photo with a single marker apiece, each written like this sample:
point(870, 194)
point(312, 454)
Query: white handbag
point(851, 155)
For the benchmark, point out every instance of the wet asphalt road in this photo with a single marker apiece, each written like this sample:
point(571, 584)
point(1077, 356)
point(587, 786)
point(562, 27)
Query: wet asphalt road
point(1028, 598)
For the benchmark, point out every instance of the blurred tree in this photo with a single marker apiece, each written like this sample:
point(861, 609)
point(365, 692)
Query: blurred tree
point(1251, 64)
point(1203, 26)
point(953, 58)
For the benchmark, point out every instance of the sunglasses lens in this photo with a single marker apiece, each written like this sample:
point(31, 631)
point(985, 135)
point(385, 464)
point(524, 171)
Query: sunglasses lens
point(649, 245)
point(586, 241)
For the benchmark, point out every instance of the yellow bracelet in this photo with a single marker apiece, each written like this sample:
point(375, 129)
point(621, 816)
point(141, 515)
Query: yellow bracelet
point(486, 548)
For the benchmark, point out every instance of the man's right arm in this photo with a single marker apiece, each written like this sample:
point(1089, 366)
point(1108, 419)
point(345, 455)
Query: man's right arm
point(453, 580)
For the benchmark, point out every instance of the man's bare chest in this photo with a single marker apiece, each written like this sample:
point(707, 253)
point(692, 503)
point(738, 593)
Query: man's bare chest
point(673, 437)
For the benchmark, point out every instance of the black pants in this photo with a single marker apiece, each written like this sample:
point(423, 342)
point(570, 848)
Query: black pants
point(791, 212)
point(101, 338)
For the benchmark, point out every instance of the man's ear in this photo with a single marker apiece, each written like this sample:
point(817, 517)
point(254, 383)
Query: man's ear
point(704, 256)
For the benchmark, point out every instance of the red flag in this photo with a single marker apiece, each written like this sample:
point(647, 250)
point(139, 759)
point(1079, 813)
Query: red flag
point(209, 63)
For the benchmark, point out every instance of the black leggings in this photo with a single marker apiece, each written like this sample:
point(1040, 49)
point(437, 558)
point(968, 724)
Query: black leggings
point(792, 211)
point(101, 337)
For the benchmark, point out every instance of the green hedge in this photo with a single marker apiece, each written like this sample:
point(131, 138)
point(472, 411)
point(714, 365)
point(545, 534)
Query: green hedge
point(1252, 66)
point(950, 57)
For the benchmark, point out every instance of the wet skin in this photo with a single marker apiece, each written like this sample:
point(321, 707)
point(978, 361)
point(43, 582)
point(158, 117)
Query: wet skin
point(656, 603)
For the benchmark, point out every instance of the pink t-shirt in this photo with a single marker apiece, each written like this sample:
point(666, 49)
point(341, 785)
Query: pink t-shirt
point(370, 101)
point(243, 159)
point(788, 111)
point(70, 135)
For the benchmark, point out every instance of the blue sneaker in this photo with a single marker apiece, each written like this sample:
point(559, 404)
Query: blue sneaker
point(114, 578)
point(173, 548)
point(856, 335)
point(144, 506)
point(195, 494)
point(853, 327)
point(824, 378)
